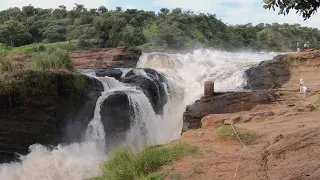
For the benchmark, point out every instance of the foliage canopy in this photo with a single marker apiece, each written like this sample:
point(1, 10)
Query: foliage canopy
point(166, 29)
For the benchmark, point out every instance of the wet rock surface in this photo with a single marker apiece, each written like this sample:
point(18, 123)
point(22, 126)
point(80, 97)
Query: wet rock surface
point(268, 74)
point(230, 102)
point(46, 108)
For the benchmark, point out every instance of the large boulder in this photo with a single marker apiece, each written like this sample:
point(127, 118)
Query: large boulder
point(46, 108)
point(151, 83)
point(116, 115)
point(115, 73)
point(121, 57)
point(230, 102)
point(268, 74)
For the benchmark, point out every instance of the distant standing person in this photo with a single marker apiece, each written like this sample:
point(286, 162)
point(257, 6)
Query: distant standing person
point(298, 46)
point(305, 46)
point(308, 44)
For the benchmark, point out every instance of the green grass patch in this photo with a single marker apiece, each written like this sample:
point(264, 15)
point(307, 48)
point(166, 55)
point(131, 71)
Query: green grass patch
point(315, 106)
point(289, 60)
point(36, 84)
point(38, 47)
point(55, 60)
point(6, 66)
point(247, 137)
point(156, 176)
point(128, 165)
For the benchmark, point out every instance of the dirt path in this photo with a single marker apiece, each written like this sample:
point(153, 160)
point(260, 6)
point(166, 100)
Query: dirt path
point(289, 138)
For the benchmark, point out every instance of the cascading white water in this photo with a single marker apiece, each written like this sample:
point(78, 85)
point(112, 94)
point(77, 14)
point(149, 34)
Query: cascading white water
point(190, 71)
point(95, 131)
point(185, 74)
point(73, 162)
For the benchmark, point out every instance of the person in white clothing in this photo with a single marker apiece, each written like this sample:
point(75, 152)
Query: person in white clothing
point(301, 85)
point(304, 92)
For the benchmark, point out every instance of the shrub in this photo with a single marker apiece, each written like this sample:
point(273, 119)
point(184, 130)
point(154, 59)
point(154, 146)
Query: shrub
point(6, 66)
point(55, 60)
point(315, 106)
point(125, 164)
point(247, 137)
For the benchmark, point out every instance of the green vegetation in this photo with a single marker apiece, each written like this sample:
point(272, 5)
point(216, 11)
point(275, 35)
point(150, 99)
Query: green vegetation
point(289, 60)
point(247, 137)
point(125, 164)
point(156, 176)
point(36, 84)
point(315, 106)
point(166, 29)
point(56, 60)
point(304, 8)
point(6, 66)
point(33, 49)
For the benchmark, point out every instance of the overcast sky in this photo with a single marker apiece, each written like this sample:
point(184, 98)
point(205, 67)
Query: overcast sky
point(229, 11)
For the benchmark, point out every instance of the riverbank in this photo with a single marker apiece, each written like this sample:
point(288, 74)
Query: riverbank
point(287, 133)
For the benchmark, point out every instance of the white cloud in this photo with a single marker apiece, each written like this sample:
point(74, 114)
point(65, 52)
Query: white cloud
point(129, 7)
point(266, 16)
point(4, 4)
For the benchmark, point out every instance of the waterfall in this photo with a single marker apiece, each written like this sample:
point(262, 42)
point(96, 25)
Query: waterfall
point(184, 74)
point(95, 131)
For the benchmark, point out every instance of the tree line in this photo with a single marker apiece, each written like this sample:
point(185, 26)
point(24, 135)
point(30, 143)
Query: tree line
point(166, 29)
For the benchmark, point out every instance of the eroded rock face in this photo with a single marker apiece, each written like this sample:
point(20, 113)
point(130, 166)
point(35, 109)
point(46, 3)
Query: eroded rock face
point(151, 83)
point(121, 57)
point(46, 108)
point(115, 73)
point(230, 102)
point(268, 75)
point(116, 111)
point(116, 116)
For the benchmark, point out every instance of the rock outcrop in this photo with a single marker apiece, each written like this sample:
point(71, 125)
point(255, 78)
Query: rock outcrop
point(117, 112)
point(121, 57)
point(116, 116)
point(268, 74)
point(46, 108)
point(230, 102)
point(111, 72)
point(151, 83)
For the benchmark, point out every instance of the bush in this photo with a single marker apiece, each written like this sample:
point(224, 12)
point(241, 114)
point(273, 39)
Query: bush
point(6, 66)
point(246, 137)
point(58, 59)
point(125, 164)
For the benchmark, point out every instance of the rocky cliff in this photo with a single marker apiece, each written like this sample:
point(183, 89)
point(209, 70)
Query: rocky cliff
point(268, 74)
point(121, 57)
point(44, 107)
point(229, 102)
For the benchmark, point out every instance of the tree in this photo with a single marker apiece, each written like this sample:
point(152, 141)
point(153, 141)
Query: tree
point(28, 10)
point(118, 9)
point(79, 7)
point(102, 9)
point(169, 35)
point(14, 33)
point(165, 11)
point(306, 8)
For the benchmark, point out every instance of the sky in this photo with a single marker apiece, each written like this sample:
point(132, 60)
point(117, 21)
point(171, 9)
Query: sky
point(229, 11)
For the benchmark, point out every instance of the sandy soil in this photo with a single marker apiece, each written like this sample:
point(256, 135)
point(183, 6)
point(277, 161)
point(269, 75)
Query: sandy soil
point(289, 138)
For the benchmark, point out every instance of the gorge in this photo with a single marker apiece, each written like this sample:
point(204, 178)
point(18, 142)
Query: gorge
point(76, 120)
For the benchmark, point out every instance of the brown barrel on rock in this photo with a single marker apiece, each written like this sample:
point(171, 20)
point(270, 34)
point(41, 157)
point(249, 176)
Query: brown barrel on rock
point(208, 88)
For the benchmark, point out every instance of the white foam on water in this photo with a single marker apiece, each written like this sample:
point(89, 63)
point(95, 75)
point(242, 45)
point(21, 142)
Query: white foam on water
point(187, 73)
